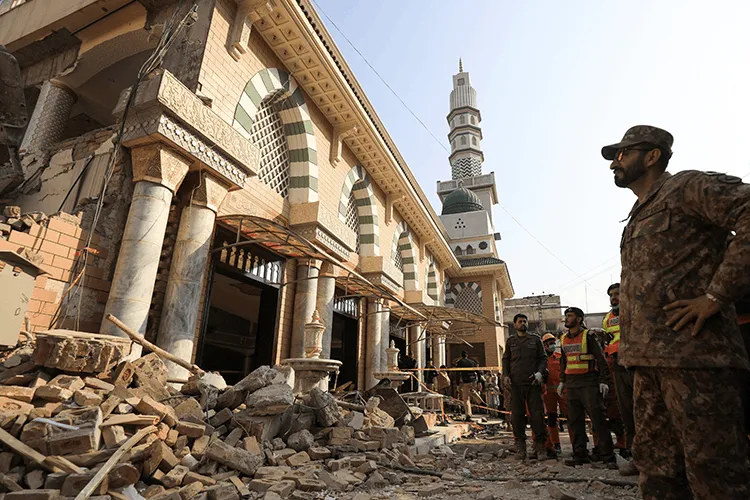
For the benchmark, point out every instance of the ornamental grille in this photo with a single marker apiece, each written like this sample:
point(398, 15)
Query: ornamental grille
point(466, 167)
point(398, 260)
point(348, 306)
point(267, 133)
point(352, 214)
point(469, 300)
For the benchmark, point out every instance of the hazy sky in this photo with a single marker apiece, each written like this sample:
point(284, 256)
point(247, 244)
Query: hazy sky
point(556, 81)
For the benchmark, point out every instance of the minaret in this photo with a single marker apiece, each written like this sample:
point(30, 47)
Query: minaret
point(465, 134)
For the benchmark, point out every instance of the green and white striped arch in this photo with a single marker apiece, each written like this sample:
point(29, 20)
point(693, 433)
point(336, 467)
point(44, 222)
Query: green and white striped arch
point(358, 183)
point(464, 295)
point(432, 280)
point(404, 245)
point(276, 84)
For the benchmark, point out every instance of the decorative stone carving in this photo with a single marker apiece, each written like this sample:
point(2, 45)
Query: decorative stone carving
point(341, 132)
point(168, 111)
point(319, 224)
point(208, 190)
point(314, 336)
point(239, 34)
point(159, 164)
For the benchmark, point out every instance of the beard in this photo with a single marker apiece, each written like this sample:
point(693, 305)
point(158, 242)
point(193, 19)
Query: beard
point(522, 328)
point(632, 174)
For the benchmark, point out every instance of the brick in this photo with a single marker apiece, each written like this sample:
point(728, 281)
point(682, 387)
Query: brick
point(70, 241)
point(54, 248)
point(33, 495)
point(63, 227)
point(62, 262)
point(114, 436)
point(190, 429)
point(74, 483)
point(71, 382)
point(22, 239)
point(192, 477)
point(25, 394)
point(34, 306)
point(44, 295)
point(95, 383)
point(52, 393)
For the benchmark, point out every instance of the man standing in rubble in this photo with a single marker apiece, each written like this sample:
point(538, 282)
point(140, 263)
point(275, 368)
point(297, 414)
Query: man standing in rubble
point(554, 404)
point(468, 380)
point(622, 377)
point(679, 325)
point(524, 363)
point(584, 376)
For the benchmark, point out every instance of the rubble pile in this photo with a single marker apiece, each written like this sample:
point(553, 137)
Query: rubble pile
point(80, 422)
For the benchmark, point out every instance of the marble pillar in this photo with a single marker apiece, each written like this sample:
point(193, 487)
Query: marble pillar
point(373, 334)
point(435, 346)
point(385, 335)
point(324, 304)
point(157, 173)
point(47, 123)
point(202, 193)
point(305, 298)
point(443, 356)
point(417, 345)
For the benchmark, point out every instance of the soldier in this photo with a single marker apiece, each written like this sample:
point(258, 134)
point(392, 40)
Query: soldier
point(623, 378)
point(468, 380)
point(585, 376)
point(679, 326)
point(524, 362)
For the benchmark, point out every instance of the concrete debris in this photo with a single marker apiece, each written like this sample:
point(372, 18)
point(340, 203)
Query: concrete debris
point(73, 399)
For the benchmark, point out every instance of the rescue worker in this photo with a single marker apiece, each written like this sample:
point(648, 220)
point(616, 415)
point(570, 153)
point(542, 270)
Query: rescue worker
point(524, 362)
point(679, 326)
point(585, 376)
point(552, 400)
point(468, 381)
point(622, 377)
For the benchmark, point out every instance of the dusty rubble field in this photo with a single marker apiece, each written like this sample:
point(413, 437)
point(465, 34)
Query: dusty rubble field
point(78, 422)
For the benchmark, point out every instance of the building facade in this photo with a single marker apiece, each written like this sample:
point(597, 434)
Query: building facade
point(544, 313)
point(482, 281)
point(217, 174)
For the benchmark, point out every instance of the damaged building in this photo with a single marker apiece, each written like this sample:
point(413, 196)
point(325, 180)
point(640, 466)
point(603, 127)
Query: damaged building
point(211, 173)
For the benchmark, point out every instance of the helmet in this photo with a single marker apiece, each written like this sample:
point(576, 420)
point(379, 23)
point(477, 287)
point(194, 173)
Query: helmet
point(548, 336)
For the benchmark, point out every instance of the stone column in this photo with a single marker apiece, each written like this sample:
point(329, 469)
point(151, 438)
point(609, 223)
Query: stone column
point(374, 344)
point(304, 303)
point(157, 173)
point(47, 123)
point(417, 348)
point(324, 301)
point(443, 360)
point(203, 194)
point(436, 350)
point(385, 325)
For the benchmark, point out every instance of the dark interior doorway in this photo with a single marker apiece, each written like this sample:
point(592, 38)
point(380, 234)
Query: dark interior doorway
point(345, 338)
point(239, 327)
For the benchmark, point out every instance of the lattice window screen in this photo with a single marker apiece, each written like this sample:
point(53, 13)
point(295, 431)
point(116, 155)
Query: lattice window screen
point(398, 260)
point(469, 300)
point(267, 133)
point(352, 215)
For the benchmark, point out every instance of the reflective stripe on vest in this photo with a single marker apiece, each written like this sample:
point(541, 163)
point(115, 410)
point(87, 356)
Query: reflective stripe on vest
point(611, 324)
point(577, 356)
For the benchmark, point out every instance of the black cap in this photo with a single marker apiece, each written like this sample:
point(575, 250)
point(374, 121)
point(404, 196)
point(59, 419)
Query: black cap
point(575, 310)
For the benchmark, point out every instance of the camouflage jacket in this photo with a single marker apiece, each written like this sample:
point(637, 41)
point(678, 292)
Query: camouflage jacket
point(675, 247)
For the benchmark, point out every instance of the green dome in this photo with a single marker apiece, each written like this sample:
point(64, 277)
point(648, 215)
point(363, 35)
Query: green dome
point(460, 201)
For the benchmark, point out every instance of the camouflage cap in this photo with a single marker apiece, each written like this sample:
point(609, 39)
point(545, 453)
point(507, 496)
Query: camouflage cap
point(638, 135)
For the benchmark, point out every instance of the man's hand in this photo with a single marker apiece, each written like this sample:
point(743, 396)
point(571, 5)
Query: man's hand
point(685, 311)
point(537, 378)
point(560, 389)
point(604, 390)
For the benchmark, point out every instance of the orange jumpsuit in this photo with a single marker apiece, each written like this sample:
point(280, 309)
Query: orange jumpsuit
point(551, 399)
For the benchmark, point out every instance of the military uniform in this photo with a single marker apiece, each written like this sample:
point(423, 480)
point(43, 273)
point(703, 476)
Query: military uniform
point(524, 356)
point(688, 441)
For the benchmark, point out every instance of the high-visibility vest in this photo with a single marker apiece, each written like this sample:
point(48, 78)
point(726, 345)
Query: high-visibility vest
point(578, 359)
point(611, 324)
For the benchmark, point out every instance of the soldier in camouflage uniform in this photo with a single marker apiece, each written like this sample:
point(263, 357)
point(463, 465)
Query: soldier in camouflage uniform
point(679, 326)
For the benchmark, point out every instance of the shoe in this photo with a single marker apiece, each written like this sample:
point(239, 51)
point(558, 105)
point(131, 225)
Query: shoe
point(629, 470)
point(520, 450)
point(594, 455)
point(611, 464)
point(558, 449)
point(468, 419)
point(626, 454)
point(576, 460)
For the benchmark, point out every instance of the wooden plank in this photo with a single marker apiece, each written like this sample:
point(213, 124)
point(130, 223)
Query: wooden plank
point(88, 490)
point(241, 488)
point(130, 420)
point(26, 451)
point(64, 464)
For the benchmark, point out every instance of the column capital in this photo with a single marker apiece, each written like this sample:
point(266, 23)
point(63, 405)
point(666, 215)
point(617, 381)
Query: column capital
point(204, 189)
point(159, 164)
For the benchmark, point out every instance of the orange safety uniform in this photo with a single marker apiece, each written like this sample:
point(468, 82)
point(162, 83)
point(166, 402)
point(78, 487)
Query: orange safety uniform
point(611, 325)
point(551, 398)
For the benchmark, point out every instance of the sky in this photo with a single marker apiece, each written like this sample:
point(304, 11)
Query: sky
point(555, 82)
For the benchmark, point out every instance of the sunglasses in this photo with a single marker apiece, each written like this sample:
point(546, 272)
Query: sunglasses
point(621, 152)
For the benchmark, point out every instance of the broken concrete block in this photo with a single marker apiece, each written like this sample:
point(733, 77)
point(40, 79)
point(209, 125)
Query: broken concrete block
point(190, 430)
point(283, 488)
point(234, 437)
point(114, 436)
point(318, 452)
point(222, 491)
point(33, 495)
point(74, 483)
point(175, 476)
point(79, 352)
point(263, 428)
point(150, 368)
point(189, 407)
point(34, 479)
point(327, 411)
point(123, 475)
point(270, 400)
point(221, 417)
point(250, 444)
point(194, 477)
point(300, 441)
point(53, 393)
point(70, 382)
point(283, 375)
point(355, 420)
point(237, 458)
point(199, 446)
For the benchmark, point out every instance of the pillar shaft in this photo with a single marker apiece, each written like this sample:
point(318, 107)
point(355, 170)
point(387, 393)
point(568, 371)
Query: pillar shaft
point(157, 172)
point(385, 335)
point(435, 344)
point(417, 348)
point(324, 303)
point(305, 297)
point(50, 116)
point(374, 344)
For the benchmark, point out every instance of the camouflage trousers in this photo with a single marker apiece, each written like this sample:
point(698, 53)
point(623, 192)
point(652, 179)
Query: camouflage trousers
point(689, 439)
